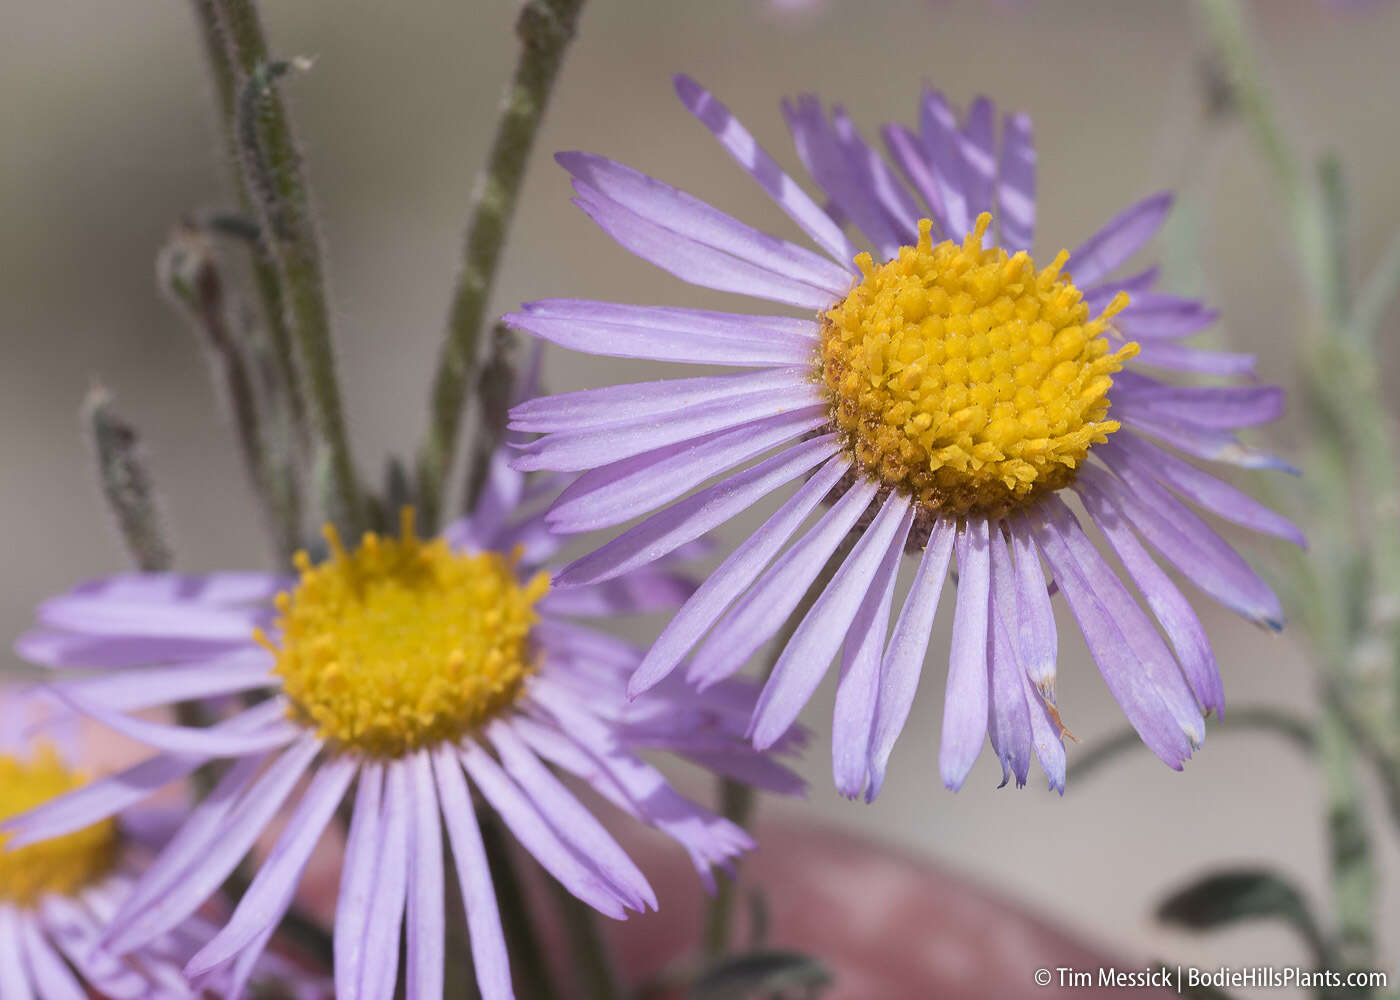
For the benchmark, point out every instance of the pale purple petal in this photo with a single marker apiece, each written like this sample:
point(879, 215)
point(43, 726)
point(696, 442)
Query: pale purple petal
point(703, 346)
point(1154, 316)
point(264, 901)
point(358, 877)
point(185, 740)
point(1037, 643)
point(1177, 357)
point(760, 613)
point(125, 618)
point(696, 515)
point(488, 944)
point(977, 147)
point(1047, 736)
point(907, 151)
point(1207, 407)
point(1201, 488)
point(903, 661)
point(1215, 446)
point(537, 836)
point(640, 402)
point(643, 590)
point(427, 921)
point(822, 155)
point(1008, 715)
point(695, 262)
point(732, 577)
point(1016, 184)
point(1171, 609)
point(384, 929)
point(255, 810)
point(612, 494)
point(135, 689)
point(578, 827)
point(938, 133)
point(76, 933)
point(61, 648)
point(1189, 544)
point(740, 144)
point(1136, 665)
point(807, 655)
point(857, 694)
point(965, 697)
point(51, 975)
point(690, 218)
point(222, 588)
point(591, 447)
point(1121, 237)
point(14, 979)
point(757, 770)
point(877, 178)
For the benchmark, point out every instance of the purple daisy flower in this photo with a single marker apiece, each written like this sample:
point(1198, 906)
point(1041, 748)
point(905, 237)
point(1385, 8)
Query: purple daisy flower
point(416, 676)
point(57, 897)
point(947, 396)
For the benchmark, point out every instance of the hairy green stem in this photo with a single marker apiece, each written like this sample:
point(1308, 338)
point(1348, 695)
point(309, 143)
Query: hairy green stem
point(1353, 869)
point(545, 28)
point(265, 279)
point(126, 484)
point(272, 174)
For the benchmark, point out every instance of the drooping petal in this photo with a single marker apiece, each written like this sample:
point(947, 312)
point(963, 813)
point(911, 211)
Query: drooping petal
point(426, 918)
point(965, 698)
point(732, 578)
point(853, 721)
point(1038, 643)
point(758, 615)
point(807, 655)
point(488, 943)
point(1008, 715)
point(904, 656)
point(358, 877)
point(267, 896)
point(384, 928)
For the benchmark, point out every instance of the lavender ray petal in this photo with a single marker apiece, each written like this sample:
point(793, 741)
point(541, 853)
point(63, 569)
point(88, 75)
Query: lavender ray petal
point(358, 877)
point(1121, 237)
point(732, 577)
point(1008, 715)
point(384, 929)
point(426, 916)
point(693, 517)
point(965, 698)
point(807, 656)
point(903, 660)
point(1015, 189)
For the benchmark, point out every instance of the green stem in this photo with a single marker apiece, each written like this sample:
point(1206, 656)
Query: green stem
point(265, 279)
point(545, 28)
point(594, 975)
point(272, 173)
point(126, 484)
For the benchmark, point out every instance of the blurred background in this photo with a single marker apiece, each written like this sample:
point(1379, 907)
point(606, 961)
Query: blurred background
point(109, 139)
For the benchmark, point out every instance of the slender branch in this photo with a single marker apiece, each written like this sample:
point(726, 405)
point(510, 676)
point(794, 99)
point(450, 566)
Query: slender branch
point(265, 279)
point(1258, 718)
point(190, 277)
point(272, 174)
point(126, 484)
point(545, 28)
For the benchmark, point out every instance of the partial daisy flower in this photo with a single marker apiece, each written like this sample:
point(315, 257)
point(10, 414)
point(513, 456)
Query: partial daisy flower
point(420, 677)
point(942, 394)
point(57, 897)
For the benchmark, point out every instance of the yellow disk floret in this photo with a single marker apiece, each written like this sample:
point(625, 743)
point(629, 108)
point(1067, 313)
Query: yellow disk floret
point(403, 643)
point(64, 864)
point(965, 378)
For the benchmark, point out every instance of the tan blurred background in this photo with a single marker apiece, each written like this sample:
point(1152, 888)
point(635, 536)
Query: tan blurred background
point(105, 115)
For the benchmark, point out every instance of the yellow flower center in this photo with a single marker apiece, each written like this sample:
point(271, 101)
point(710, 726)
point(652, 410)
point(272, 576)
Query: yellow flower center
point(965, 378)
point(64, 864)
point(403, 643)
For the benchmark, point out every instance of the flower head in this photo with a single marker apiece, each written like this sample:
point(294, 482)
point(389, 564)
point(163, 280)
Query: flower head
point(944, 393)
point(416, 676)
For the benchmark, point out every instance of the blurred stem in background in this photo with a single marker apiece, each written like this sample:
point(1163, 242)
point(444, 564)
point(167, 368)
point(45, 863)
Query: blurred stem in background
point(545, 28)
point(1346, 592)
